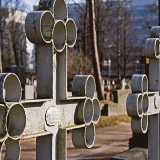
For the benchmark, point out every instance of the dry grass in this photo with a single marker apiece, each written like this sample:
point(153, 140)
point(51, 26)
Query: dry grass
point(106, 101)
point(112, 120)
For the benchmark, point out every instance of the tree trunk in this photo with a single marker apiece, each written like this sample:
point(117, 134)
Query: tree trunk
point(119, 48)
point(0, 53)
point(95, 57)
point(159, 12)
point(1, 37)
point(85, 31)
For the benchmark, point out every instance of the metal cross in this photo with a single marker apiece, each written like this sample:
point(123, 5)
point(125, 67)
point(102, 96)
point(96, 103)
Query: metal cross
point(53, 113)
point(143, 105)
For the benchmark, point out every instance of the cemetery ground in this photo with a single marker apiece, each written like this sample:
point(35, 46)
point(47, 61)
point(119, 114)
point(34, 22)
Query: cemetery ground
point(112, 137)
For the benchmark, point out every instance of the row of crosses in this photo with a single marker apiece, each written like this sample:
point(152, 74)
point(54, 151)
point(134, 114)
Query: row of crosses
point(143, 105)
point(53, 112)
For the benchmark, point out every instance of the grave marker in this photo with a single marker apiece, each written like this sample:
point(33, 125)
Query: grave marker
point(143, 105)
point(50, 116)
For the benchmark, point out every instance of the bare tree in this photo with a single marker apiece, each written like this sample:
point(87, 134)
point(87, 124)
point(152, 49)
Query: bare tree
point(78, 63)
point(128, 48)
point(115, 34)
point(13, 48)
point(95, 57)
point(84, 42)
point(120, 37)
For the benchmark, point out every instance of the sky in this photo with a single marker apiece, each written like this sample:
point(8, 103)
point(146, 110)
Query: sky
point(31, 3)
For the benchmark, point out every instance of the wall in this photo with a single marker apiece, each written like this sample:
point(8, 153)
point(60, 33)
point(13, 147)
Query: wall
point(118, 106)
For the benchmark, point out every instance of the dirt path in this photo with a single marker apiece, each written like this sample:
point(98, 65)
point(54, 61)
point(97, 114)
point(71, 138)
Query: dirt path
point(109, 142)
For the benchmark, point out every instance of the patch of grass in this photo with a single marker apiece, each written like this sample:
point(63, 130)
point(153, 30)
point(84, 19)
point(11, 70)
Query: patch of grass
point(106, 101)
point(112, 120)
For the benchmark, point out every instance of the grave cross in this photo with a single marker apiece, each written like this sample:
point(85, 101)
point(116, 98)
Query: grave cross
point(53, 113)
point(143, 105)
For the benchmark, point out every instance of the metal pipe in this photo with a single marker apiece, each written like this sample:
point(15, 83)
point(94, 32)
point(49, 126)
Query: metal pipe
point(60, 11)
point(71, 32)
point(84, 137)
point(134, 105)
point(155, 32)
point(39, 26)
point(59, 36)
point(83, 85)
point(139, 83)
point(152, 48)
point(3, 127)
point(145, 103)
point(10, 88)
point(97, 110)
point(12, 149)
point(139, 125)
point(84, 112)
point(16, 121)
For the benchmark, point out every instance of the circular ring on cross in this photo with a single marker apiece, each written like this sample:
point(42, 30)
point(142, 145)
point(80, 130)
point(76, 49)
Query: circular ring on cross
point(83, 85)
point(139, 83)
point(134, 105)
point(86, 136)
point(152, 48)
point(16, 121)
point(10, 88)
point(39, 26)
point(71, 32)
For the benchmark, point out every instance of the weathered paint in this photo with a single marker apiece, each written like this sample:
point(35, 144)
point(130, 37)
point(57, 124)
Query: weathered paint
point(84, 112)
point(10, 88)
point(39, 26)
point(83, 85)
point(16, 121)
point(139, 83)
point(71, 32)
point(3, 123)
point(96, 110)
point(86, 136)
point(50, 116)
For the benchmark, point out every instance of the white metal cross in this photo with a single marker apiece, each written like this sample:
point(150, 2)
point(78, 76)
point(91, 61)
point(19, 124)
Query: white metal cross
point(50, 116)
point(143, 105)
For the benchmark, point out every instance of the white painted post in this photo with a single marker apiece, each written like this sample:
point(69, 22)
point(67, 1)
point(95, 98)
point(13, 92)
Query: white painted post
point(143, 105)
point(50, 116)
